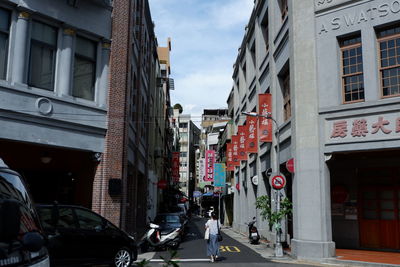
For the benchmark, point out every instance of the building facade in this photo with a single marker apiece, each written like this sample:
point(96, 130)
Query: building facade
point(54, 67)
point(334, 87)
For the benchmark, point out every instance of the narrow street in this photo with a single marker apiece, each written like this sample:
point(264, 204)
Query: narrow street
point(192, 251)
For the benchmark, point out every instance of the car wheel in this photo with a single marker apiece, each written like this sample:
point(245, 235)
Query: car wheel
point(123, 258)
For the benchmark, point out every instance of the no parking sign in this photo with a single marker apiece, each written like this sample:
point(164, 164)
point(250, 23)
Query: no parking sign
point(277, 181)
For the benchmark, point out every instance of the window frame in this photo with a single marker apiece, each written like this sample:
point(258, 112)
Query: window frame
point(380, 68)
point(83, 57)
point(40, 43)
point(287, 105)
point(284, 8)
point(7, 33)
point(343, 76)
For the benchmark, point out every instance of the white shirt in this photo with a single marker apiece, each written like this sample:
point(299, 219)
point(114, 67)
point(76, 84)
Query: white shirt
point(213, 225)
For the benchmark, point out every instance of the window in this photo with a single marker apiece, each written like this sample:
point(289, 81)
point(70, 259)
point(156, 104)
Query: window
point(283, 5)
point(287, 108)
point(389, 45)
point(89, 220)
point(352, 70)
point(264, 29)
point(183, 125)
point(84, 69)
point(43, 56)
point(4, 33)
point(66, 218)
point(183, 154)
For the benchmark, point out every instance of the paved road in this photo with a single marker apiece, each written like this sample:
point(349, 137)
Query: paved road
point(192, 251)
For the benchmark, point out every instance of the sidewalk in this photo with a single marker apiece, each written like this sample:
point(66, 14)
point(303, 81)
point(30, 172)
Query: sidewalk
point(344, 257)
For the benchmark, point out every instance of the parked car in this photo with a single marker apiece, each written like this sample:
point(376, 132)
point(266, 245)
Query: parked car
point(21, 236)
point(170, 221)
point(80, 236)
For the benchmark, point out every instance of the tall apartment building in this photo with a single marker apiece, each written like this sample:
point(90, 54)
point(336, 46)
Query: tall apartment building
point(332, 70)
point(54, 68)
point(189, 135)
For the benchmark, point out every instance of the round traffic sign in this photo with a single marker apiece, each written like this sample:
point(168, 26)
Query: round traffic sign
point(290, 165)
point(278, 182)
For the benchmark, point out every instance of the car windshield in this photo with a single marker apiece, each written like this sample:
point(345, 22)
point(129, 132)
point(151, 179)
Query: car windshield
point(167, 219)
point(12, 188)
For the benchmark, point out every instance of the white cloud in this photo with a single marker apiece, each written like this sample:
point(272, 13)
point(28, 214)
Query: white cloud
point(205, 37)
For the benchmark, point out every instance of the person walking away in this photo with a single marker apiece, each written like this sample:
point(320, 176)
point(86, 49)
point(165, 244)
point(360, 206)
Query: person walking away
point(212, 243)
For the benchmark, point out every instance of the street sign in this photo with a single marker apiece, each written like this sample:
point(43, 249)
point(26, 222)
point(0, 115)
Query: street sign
point(290, 165)
point(268, 172)
point(219, 174)
point(278, 181)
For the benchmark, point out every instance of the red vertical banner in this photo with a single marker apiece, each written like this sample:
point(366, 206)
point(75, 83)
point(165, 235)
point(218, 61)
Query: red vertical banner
point(235, 150)
point(210, 160)
point(251, 141)
point(175, 166)
point(265, 125)
point(229, 157)
point(242, 142)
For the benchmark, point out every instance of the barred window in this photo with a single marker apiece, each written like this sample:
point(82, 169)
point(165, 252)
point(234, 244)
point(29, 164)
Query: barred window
point(42, 56)
point(389, 45)
point(84, 69)
point(352, 70)
point(4, 33)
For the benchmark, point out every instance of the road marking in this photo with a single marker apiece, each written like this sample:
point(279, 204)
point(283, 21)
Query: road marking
point(179, 260)
point(233, 249)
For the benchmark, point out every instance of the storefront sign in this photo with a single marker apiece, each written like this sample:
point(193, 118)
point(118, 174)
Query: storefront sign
point(219, 175)
point(202, 169)
point(242, 133)
point(265, 125)
point(367, 128)
point(175, 166)
point(235, 150)
point(210, 160)
point(251, 140)
point(229, 157)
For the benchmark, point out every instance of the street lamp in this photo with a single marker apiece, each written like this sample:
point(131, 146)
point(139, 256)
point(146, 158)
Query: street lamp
point(278, 245)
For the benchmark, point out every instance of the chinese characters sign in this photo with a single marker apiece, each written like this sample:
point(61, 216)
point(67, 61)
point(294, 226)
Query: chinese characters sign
point(235, 150)
point(210, 160)
point(365, 128)
point(175, 166)
point(265, 125)
point(202, 169)
point(251, 141)
point(229, 157)
point(242, 133)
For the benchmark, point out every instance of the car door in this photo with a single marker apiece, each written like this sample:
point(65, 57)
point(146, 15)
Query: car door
point(92, 226)
point(64, 238)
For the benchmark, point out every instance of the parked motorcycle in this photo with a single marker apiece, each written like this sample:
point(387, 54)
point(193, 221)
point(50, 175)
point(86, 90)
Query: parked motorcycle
point(254, 237)
point(160, 239)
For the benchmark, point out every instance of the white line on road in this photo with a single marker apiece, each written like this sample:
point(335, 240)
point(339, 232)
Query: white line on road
point(180, 260)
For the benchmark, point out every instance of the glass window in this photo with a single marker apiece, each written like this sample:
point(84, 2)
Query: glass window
point(84, 69)
point(43, 55)
point(287, 107)
point(283, 5)
point(4, 33)
point(389, 45)
point(88, 220)
point(66, 218)
point(352, 70)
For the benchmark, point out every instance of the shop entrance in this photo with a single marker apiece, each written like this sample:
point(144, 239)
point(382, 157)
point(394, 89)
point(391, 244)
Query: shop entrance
point(379, 217)
point(365, 194)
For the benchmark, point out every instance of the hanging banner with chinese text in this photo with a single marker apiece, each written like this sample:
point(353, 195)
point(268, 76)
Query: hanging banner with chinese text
point(251, 141)
point(210, 160)
point(242, 133)
point(229, 157)
point(219, 175)
point(235, 150)
point(265, 125)
point(175, 166)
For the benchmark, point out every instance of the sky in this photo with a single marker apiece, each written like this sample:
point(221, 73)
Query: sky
point(205, 37)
